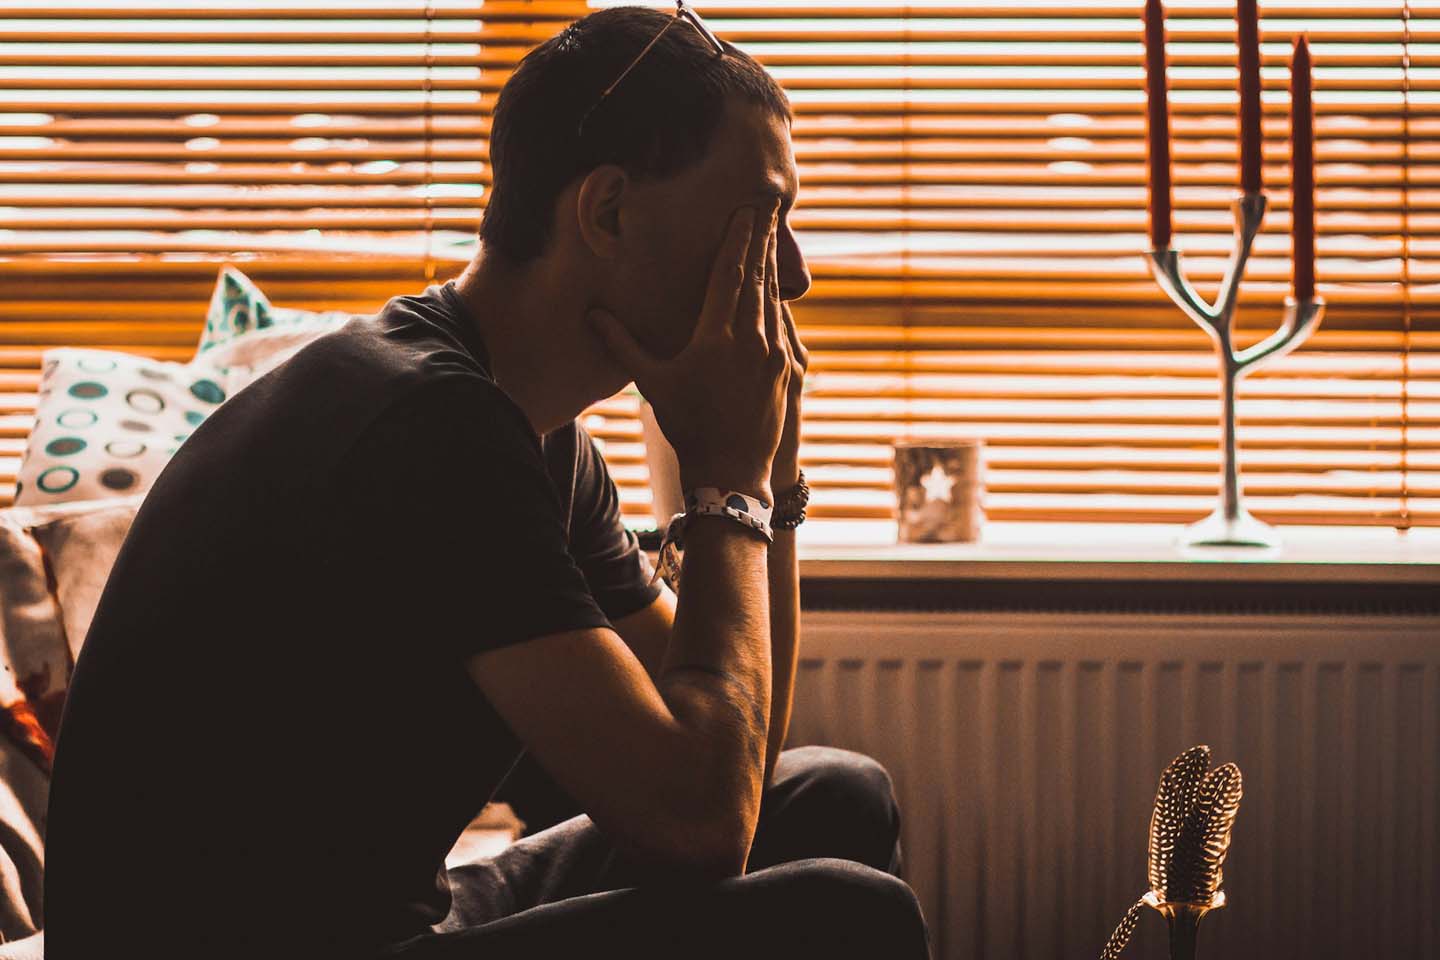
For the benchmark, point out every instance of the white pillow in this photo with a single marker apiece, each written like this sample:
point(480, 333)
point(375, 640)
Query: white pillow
point(81, 549)
point(241, 361)
point(107, 423)
point(240, 312)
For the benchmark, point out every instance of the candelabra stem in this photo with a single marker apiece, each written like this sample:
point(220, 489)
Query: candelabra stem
point(1230, 525)
point(1230, 506)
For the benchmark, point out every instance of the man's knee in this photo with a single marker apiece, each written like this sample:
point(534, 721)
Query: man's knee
point(848, 784)
point(850, 910)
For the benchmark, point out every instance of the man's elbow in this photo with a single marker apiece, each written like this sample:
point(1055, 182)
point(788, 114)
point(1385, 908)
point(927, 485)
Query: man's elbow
point(712, 847)
point(728, 848)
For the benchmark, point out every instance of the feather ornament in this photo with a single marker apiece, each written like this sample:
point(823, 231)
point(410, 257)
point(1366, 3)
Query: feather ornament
point(1195, 809)
point(1173, 802)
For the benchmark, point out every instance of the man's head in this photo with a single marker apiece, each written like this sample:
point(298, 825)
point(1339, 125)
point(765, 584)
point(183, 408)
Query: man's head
point(640, 197)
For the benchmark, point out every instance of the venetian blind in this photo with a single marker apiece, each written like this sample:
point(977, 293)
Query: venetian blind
point(972, 205)
point(973, 197)
point(333, 151)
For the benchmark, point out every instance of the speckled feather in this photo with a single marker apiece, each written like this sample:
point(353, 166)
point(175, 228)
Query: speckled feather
point(1195, 872)
point(1173, 801)
point(1123, 931)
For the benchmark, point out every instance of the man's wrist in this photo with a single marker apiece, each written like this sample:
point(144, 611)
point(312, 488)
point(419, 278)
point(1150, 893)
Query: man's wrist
point(758, 489)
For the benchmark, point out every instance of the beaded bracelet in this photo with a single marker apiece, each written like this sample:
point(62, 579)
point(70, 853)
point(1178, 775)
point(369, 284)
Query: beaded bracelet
point(790, 505)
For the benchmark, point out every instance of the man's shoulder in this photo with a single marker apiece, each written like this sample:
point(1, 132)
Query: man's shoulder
point(450, 409)
point(288, 430)
point(411, 340)
point(413, 351)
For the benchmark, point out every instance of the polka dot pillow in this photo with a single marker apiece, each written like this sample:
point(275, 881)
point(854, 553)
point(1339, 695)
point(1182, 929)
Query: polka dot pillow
point(239, 311)
point(107, 423)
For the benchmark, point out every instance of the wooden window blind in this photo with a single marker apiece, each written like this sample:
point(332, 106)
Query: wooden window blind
point(972, 205)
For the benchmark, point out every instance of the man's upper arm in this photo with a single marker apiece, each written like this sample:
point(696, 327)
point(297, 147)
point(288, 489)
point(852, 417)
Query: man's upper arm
point(607, 552)
point(647, 630)
point(446, 505)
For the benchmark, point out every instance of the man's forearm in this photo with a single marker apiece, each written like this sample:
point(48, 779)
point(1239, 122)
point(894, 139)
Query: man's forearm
point(716, 675)
point(784, 576)
point(784, 582)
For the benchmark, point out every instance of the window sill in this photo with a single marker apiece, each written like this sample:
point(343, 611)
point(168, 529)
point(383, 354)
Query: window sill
point(1141, 551)
point(1131, 567)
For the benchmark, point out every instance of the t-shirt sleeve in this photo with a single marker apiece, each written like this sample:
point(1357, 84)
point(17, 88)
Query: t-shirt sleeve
point(447, 495)
point(616, 568)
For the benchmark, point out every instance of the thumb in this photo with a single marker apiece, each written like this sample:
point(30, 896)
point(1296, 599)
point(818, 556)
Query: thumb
point(632, 357)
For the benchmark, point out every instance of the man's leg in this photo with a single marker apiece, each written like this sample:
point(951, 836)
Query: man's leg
point(827, 802)
point(822, 803)
point(835, 909)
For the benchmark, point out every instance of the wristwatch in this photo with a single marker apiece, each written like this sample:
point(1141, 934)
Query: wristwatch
point(787, 514)
point(715, 502)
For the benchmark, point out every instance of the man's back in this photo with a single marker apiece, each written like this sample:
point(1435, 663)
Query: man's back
point(270, 739)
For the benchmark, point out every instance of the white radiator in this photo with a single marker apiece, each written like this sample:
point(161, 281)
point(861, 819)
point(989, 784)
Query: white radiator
point(1025, 750)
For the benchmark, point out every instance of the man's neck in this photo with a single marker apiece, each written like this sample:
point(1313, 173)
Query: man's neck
point(542, 354)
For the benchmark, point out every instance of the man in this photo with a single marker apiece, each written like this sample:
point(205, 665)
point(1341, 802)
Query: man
point(376, 575)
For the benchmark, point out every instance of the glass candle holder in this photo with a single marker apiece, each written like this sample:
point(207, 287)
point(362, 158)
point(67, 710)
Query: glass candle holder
point(939, 488)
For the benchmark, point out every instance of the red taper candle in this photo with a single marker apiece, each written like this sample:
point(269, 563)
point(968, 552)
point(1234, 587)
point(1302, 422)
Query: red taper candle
point(1252, 136)
point(1302, 170)
point(1157, 127)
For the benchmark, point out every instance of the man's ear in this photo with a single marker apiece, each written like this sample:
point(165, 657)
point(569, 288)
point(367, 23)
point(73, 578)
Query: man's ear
point(597, 209)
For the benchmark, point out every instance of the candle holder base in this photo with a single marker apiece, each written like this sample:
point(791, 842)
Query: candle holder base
point(1219, 530)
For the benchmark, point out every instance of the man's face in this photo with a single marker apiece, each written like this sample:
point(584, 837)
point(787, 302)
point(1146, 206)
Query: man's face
point(681, 222)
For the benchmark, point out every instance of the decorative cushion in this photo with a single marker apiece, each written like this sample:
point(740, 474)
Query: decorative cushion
point(24, 794)
point(81, 549)
point(239, 311)
point(243, 360)
point(236, 307)
point(31, 948)
point(49, 586)
point(107, 423)
point(36, 664)
point(32, 688)
point(15, 919)
point(67, 548)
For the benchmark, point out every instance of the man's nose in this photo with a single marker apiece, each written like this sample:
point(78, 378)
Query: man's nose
point(794, 272)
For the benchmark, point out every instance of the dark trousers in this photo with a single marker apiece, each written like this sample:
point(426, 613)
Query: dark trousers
point(822, 881)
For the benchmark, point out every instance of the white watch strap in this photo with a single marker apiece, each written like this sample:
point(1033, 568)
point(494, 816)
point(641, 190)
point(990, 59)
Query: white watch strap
point(708, 501)
point(713, 501)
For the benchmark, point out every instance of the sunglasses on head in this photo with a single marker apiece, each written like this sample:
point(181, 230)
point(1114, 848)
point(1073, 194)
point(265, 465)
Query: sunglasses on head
point(683, 11)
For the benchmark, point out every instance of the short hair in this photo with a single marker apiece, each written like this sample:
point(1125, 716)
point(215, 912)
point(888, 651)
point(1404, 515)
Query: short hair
point(656, 124)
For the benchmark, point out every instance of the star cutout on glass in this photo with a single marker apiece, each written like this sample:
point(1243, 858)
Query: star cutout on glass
point(937, 484)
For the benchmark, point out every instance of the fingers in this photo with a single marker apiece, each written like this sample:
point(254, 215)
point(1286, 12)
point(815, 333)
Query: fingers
point(750, 311)
point(797, 349)
point(727, 273)
point(774, 335)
